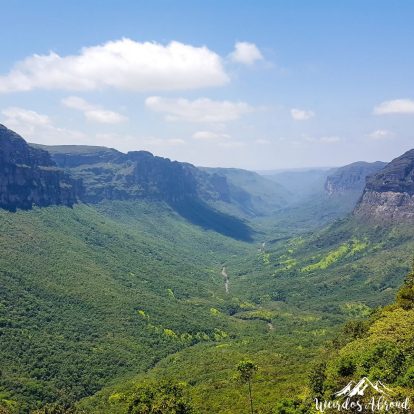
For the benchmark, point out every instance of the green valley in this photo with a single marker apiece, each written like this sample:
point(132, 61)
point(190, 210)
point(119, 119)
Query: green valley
point(131, 282)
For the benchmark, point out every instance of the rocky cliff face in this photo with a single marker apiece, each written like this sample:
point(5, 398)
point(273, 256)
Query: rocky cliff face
point(389, 194)
point(28, 176)
point(351, 178)
point(109, 174)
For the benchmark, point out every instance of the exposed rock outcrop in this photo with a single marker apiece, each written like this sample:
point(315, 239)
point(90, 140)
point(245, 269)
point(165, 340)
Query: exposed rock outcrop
point(389, 194)
point(28, 176)
point(110, 174)
point(351, 177)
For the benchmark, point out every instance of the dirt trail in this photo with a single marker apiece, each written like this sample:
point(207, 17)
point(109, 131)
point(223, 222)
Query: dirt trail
point(226, 279)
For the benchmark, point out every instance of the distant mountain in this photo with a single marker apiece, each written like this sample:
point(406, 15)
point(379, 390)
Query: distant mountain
point(389, 194)
point(41, 175)
point(351, 178)
point(252, 193)
point(110, 174)
point(28, 176)
point(333, 181)
point(301, 183)
point(319, 196)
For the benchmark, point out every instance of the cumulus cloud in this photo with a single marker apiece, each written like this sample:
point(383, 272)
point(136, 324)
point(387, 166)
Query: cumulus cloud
point(39, 128)
point(16, 116)
point(380, 134)
point(396, 106)
point(93, 112)
point(246, 53)
point(122, 64)
point(199, 110)
point(209, 136)
point(301, 114)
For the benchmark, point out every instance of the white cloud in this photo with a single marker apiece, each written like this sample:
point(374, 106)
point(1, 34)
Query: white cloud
point(39, 128)
point(122, 64)
point(209, 136)
point(93, 112)
point(15, 115)
point(246, 53)
point(396, 106)
point(301, 114)
point(380, 134)
point(199, 110)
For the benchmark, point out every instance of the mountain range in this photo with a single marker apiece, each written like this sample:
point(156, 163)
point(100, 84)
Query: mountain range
point(111, 268)
point(45, 175)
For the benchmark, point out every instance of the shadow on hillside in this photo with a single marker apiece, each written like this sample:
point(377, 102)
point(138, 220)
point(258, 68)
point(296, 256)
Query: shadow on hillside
point(202, 215)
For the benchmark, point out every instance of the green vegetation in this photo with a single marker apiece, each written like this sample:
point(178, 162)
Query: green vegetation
point(346, 249)
point(380, 348)
point(160, 398)
point(246, 371)
point(87, 287)
point(134, 292)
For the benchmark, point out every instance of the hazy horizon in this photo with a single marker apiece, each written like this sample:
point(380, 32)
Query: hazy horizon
point(264, 172)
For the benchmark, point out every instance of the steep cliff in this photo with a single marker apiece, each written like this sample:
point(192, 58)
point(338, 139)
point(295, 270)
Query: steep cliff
point(28, 176)
point(110, 174)
point(389, 194)
point(352, 177)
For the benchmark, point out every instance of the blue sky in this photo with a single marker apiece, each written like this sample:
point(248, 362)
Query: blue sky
point(252, 84)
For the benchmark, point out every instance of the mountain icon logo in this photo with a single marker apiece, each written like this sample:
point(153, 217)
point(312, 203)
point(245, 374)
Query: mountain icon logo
point(359, 388)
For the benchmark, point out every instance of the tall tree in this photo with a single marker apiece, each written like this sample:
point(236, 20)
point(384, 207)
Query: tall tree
point(246, 371)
